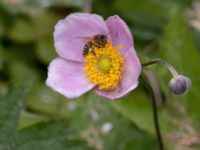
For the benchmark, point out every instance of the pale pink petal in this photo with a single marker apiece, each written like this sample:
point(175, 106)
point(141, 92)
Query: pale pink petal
point(72, 33)
point(120, 33)
point(67, 78)
point(129, 81)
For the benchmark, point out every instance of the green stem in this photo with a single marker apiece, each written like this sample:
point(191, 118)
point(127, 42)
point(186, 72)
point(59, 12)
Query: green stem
point(162, 62)
point(155, 112)
point(157, 127)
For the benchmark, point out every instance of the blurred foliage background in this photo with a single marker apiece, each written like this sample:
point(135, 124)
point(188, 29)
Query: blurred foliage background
point(33, 116)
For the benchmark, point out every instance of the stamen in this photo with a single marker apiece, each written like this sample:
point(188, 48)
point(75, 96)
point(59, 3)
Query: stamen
point(105, 67)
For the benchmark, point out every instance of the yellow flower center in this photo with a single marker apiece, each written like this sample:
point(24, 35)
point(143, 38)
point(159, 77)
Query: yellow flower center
point(104, 66)
point(104, 63)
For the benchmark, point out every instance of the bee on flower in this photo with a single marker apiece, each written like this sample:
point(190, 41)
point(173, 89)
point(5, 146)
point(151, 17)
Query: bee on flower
point(108, 63)
point(96, 41)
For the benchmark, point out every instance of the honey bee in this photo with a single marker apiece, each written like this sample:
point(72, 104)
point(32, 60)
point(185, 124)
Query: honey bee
point(96, 41)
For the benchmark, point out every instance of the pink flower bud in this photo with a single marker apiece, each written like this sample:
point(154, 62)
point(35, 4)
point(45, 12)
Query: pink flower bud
point(180, 84)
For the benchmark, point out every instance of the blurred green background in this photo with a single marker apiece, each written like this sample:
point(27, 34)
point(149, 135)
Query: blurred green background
point(33, 117)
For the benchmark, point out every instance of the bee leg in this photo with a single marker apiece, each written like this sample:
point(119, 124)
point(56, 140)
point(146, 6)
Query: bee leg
point(93, 53)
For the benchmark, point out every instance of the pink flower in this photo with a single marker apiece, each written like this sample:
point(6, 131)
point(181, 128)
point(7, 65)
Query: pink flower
point(112, 69)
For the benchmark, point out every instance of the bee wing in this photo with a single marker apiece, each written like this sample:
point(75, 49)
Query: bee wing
point(87, 38)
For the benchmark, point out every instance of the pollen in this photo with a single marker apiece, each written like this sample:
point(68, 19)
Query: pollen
point(104, 67)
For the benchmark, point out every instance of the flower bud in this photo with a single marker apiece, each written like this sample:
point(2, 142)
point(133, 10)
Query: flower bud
point(180, 84)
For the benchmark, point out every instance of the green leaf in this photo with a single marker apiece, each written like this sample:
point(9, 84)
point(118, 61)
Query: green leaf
point(137, 107)
point(1, 58)
point(30, 30)
point(137, 143)
point(28, 119)
point(196, 34)
point(23, 31)
point(50, 135)
point(21, 72)
point(45, 50)
point(1, 27)
point(92, 113)
point(24, 54)
point(10, 106)
point(44, 100)
point(20, 65)
point(3, 88)
point(153, 7)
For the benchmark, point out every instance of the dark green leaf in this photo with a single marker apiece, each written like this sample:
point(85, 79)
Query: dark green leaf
point(51, 135)
point(10, 106)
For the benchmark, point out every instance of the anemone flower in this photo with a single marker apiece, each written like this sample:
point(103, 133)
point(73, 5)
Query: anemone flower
point(111, 69)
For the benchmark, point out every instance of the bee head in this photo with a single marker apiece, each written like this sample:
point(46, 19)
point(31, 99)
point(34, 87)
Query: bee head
point(102, 37)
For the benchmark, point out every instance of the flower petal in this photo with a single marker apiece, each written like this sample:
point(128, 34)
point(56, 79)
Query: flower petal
point(120, 33)
point(72, 33)
point(129, 81)
point(67, 78)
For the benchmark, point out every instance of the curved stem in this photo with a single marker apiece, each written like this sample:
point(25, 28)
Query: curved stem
point(162, 62)
point(157, 128)
point(146, 81)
